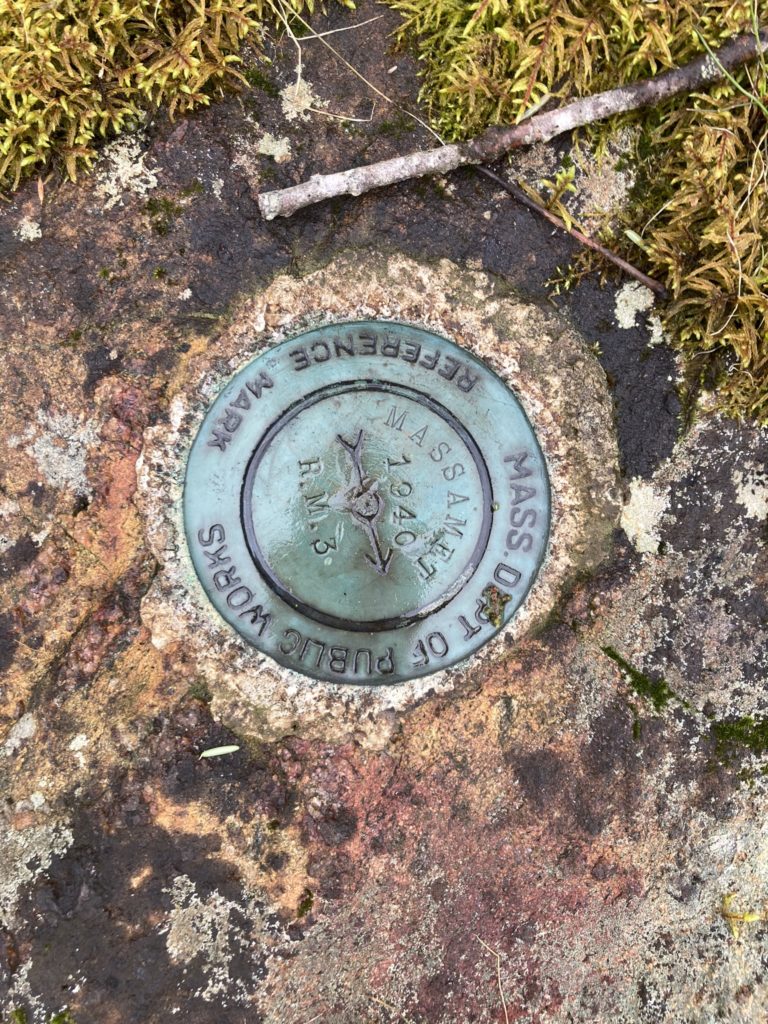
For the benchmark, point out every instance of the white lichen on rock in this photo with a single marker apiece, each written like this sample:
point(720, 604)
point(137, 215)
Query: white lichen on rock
point(299, 99)
point(20, 993)
point(60, 447)
point(210, 931)
point(641, 516)
point(632, 299)
point(751, 485)
point(77, 745)
point(278, 148)
point(28, 230)
point(24, 855)
point(21, 731)
point(602, 183)
point(9, 518)
point(122, 169)
point(711, 573)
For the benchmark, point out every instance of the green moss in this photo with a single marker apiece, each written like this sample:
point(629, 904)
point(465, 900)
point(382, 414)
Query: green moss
point(71, 339)
point(72, 73)
point(637, 726)
point(697, 217)
point(731, 735)
point(657, 691)
point(399, 126)
point(199, 690)
point(258, 80)
point(306, 903)
point(495, 600)
point(746, 733)
point(20, 1016)
point(163, 213)
point(195, 188)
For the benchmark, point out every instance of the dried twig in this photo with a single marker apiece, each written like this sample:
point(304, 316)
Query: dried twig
point(517, 193)
point(494, 142)
point(498, 977)
point(345, 28)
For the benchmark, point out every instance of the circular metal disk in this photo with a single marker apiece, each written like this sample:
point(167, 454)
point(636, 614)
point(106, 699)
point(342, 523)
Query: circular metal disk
point(366, 503)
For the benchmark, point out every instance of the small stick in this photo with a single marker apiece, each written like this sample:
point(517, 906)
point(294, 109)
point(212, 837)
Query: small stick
point(531, 204)
point(498, 976)
point(494, 142)
point(346, 28)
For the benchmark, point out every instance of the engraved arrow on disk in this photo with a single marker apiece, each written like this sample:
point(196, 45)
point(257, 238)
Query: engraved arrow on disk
point(366, 505)
point(381, 562)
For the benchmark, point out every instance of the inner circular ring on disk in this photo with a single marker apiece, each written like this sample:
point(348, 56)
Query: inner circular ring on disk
point(260, 557)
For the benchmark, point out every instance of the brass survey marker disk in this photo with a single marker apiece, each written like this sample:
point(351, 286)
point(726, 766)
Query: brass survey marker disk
point(366, 503)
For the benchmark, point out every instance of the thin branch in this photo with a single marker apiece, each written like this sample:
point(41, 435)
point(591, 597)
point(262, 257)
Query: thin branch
point(498, 976)
point(737, 85)
point(281, 14)
point(345, 28)
point(343, 117)
point(495, 142)
point(531, 204)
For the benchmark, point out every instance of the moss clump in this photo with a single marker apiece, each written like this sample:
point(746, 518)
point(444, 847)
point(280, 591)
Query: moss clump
point(398, 127)
point(306, 903)
point(495, 600)
point(657, 691)
point(732, 736)
point(74, 71)
point(162, 214)
point(20, 1016)
point(698, 219)
point(199, 690)
point(195, 188)
point(703, 181)
point(747, 732)
point(71, 339)
point(258, 80)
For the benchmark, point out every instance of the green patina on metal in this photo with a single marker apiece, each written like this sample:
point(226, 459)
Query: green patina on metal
point(355, 493)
